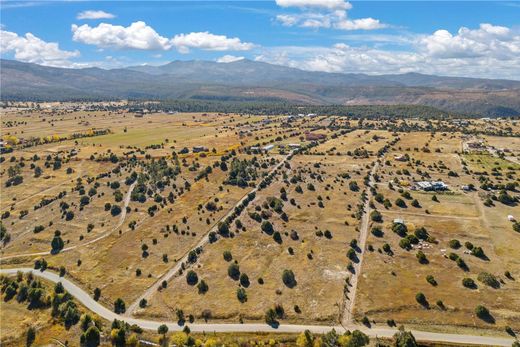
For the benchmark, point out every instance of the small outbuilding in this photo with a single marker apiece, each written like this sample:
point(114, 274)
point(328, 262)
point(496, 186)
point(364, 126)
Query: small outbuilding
point(399, 221)
point(198, 149)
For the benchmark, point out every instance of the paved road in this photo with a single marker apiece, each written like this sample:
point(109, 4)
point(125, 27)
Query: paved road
point(100, 237)
point(202, 242)
point(363, 235)
point(107, 314)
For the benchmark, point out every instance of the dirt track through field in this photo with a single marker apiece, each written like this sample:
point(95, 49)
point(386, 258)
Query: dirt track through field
point(117, 226)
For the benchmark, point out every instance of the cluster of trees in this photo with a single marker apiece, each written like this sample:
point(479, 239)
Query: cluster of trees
point(5, 236)
point(354, 338)
point(26, 289)
point(276, 107)
point(241, 172)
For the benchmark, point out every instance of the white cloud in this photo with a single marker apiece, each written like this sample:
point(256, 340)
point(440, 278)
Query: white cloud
point(287, 19)
point(360, 24)
point(228, 59)
point(139, 35)
point(95, 15)
point(486, 41)
point(209, 42)
point(32, 49)
point(328, 4)
point(136, 36)
point(489, 51)
point(325, 14)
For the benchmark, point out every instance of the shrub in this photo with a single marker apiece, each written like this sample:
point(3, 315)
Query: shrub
point(421, 257)
point(400, 229)
point(288, 278)
point(241, 295)
point(405, 244)
point(421, 299)
point(400, 202)
point(91, 337)
point(482, 312)
point(431, 280)
point(57, 244)
point(212, 237)
point(365, 321)
point(31, 336)
point(202, 287)
point(192, 278)
point(351, 254)
point(115, 210)
point(488, 279)
point(377, 232)
point(461, 263)
point(376, 216)
point(455, 244)
point(478, 252)
point(270, 317)
point(234, 271)
point(412, 238)
point(192, 256)
point(469, 283)
point(119, 306)
point(267, 227)
point(421, 233)
point(223, 228)
point(404, 339)
point(244, 280)
point(227, 256)
point(277, 237)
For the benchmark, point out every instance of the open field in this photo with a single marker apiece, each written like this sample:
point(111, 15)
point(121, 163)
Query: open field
point(228, 229)
point(391, 279)
point(317, 258)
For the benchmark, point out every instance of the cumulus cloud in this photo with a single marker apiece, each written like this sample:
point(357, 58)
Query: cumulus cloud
point(90, 14)
point(228, 59)
point(488, 40)
point(209, 42)
point(325, 14)
point(137, 35)
point(489, 51)
point(32, 49)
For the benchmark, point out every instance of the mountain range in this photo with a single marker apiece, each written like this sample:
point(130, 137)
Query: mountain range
point(247, 80)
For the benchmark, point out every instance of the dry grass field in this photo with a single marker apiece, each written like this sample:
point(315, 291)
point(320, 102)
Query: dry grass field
point(121, 208)
point(391, 279)
point(318, 259)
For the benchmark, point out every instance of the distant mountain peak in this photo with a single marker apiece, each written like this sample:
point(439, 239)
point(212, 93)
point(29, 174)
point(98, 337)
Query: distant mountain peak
point(253, 80)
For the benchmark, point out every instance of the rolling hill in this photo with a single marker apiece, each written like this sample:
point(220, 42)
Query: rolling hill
point(247, 80)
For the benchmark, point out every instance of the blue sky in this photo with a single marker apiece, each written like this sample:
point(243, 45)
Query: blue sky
point(451, 38)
